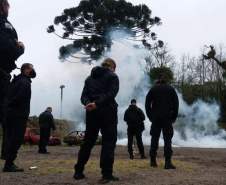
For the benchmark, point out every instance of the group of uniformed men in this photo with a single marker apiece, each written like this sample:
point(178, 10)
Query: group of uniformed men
point(98, 98)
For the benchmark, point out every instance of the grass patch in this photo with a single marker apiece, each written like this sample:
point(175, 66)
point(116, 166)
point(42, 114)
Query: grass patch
point(28, 147)
point(121, 165)
point(184, 166)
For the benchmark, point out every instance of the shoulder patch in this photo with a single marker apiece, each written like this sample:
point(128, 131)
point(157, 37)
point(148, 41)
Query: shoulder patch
point(7, 25)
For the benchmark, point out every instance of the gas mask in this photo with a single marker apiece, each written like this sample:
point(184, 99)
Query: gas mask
point(32, 73)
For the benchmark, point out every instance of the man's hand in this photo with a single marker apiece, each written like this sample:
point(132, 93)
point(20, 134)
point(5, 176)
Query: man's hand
point(18, 43)
point(91, 106)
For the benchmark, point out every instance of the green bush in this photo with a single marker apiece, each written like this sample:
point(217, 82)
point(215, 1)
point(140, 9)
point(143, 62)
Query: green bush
point(154, 72)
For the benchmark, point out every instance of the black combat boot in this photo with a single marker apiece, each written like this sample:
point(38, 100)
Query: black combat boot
point(109, 178)
point(168, 164)
point(78, 175)
point(153, 162)
point(11, 167)
point(142, 156)
point(131, 155)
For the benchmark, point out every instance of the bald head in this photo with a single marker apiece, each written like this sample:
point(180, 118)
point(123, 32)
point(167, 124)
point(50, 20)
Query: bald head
point(109, 63)
point(49, 109)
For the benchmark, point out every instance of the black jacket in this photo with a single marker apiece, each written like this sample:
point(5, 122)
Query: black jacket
point(102, 87)
point(19, 96)
point(9, 51)
point(134, 117)
point(162, 102)
point(46, 120)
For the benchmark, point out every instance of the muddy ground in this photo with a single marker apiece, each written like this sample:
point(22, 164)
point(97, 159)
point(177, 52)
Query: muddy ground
point(194, 166)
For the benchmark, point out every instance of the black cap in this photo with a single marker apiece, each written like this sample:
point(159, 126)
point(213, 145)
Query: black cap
point(161, 75)
point(133, 101)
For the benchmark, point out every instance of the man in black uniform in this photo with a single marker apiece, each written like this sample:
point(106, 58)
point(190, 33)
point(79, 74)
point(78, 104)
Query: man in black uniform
point(134, 117)
point(17, 112)
point(46, 122)
point(162, 109)
point(98, 97)
point(10, 50)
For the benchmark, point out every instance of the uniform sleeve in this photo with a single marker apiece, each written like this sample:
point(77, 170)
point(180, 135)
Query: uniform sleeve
point(175, 105)
point(85, 98)
point(142, 116)
point(51, 121)
point(126, 116)
point(148, 103)
point(14, 52)
point(8, 44)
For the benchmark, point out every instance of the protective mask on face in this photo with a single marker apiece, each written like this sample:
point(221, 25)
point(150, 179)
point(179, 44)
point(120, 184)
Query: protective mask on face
point(32, 73)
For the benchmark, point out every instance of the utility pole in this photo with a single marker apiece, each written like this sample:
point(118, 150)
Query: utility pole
point(61, 87)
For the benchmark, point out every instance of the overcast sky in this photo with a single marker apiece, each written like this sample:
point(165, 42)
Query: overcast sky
point(187, 26)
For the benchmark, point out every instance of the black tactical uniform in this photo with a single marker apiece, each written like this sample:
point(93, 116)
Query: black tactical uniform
point(9, 52)
point(134, 118)
point(161, 108)
point(102, 87)
point(17, 112)
point(46, 122)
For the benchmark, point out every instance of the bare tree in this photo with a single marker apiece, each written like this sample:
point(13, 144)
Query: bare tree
point(159, 57)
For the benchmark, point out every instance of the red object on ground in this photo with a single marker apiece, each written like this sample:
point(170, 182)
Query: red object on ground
point(32, 137)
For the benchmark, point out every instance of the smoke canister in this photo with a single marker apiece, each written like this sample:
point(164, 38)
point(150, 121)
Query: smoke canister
point(33, 168)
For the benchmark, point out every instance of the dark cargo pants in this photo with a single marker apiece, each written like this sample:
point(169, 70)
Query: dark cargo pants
point(105, 121)
point(164, 125)
point(44, 139)
point(16, 128)
point(138, 135)
point(4, 85)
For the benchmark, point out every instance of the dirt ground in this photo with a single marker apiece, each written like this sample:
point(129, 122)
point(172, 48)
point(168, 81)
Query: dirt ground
point(195, 166)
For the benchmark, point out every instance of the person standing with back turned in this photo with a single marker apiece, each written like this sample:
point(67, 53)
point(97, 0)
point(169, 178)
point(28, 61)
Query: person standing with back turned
point(10, 50)
point(162, 109)
point(98, 97)
point(134, 117)
point(46, 122)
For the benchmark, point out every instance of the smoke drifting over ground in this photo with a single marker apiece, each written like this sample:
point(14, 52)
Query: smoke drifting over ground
point(196, 126)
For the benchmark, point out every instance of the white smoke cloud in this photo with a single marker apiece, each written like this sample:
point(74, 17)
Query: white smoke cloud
point(197, 126)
